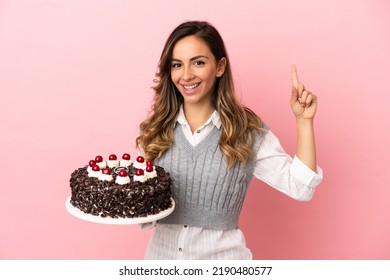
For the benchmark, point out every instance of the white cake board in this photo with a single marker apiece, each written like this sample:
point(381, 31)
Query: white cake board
point(116, 221)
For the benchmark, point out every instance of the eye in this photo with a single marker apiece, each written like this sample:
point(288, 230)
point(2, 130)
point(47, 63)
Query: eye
point(198, 62)
point(176, 65)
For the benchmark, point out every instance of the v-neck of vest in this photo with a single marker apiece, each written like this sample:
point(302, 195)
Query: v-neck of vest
point(201, 146)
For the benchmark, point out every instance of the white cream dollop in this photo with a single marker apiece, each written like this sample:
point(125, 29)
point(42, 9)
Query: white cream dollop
point(140, 178)
point(105, 177)
point(139, 165)
point(122, 180)
point(150, 175)
point(102, 164)
point(112, 163)
point(94, 174)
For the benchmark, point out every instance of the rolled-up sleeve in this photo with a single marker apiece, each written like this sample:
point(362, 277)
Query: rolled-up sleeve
point(284, 173)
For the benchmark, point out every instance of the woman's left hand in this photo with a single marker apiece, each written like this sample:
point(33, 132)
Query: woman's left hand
point(303, 102)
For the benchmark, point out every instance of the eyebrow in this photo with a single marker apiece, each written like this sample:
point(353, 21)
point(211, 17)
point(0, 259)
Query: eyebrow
point(192, 59)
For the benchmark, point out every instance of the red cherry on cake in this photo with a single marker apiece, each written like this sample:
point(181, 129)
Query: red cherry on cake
point(149, 168)
point(139, 172)
point(106, 171)
point(140, 159)
point(123, 173)
point(95, 168)
point(98, 158)
point(112, 157)
point(126, 157)
point(149, 162)
point(92, 163)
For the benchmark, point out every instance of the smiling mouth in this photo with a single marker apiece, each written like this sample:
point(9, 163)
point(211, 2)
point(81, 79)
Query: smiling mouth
point(191, 86)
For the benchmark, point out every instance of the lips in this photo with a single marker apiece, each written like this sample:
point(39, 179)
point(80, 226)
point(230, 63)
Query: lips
point(191, 87)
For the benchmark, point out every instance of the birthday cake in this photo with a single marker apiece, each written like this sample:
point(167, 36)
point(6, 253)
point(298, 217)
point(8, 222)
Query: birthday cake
point(120, 188)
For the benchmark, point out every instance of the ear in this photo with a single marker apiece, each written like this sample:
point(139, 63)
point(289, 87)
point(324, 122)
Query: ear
point(221, 66)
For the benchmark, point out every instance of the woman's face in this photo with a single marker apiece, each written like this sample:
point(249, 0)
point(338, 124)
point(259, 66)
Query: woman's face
point(194, 70)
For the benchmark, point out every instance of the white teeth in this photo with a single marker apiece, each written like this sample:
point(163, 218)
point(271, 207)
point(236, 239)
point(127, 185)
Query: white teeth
point(191, 87)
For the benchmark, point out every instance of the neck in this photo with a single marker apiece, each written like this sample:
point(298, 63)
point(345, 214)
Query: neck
point(197, 115)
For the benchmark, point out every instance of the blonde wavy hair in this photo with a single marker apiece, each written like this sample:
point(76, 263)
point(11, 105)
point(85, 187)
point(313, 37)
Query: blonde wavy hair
point(238, 123)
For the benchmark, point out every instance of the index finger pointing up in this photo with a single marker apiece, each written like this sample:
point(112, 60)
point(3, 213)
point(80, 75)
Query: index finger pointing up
point(294, 76)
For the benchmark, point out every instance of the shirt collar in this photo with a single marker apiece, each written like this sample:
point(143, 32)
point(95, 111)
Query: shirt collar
point(214, 118)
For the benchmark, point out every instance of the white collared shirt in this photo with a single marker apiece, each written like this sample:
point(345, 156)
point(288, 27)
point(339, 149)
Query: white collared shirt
point(273, 166)
point(201, 132)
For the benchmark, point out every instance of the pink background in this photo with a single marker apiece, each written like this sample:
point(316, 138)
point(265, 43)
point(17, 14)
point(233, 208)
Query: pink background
point(75, 80)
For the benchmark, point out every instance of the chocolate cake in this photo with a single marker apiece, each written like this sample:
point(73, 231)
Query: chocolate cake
point(120, 189)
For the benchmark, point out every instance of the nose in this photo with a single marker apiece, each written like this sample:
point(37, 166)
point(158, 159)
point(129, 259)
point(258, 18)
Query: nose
point(187, 74)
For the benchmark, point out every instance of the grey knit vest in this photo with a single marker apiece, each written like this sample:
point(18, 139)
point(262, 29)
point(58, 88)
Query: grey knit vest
point(207, 194)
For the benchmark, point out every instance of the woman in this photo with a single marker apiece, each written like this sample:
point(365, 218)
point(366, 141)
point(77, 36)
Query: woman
point(213, 146)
